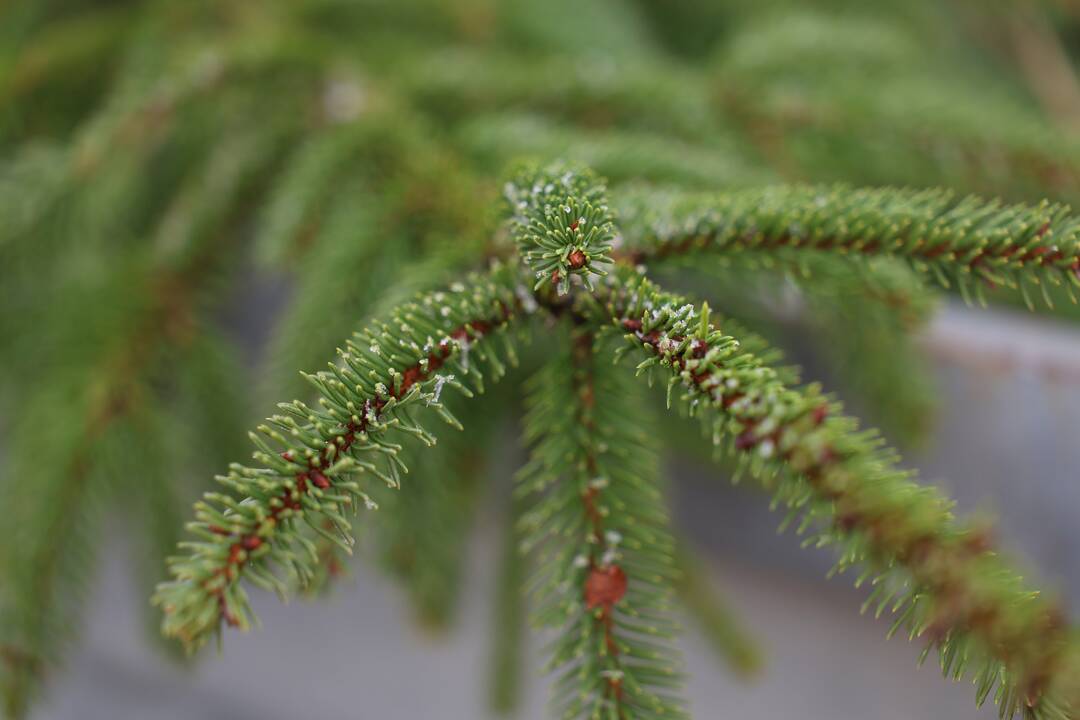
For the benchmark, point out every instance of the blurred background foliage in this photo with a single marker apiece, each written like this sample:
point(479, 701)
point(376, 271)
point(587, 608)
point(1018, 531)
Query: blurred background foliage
point(198, 199)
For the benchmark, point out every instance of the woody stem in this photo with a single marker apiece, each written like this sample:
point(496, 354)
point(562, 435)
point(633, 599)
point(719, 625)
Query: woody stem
point(582, 357)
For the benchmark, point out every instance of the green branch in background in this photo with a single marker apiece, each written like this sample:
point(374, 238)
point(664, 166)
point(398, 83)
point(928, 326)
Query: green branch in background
point(865, 97)
point(508, 638)
point(120, 415)
point(719, 623)
point(960, 240)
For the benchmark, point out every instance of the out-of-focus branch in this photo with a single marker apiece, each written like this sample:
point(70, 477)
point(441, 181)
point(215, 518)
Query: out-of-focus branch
point(1046, 66)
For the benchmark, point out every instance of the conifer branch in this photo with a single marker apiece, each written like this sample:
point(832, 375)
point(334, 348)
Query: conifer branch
point(606, 565)
point(865, 320)
point(963, 240)
point(942, 579)
point(508, 639)
point(721, 626)
point(641, 95)
point(561, 222)
point(621, 155)
point(33, 611)
point(44, 557)
point(115, 395)
point(862, 318)
point(854, 93)
point(310, 460)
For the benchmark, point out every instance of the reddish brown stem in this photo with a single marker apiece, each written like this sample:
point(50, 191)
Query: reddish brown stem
point(243, 542)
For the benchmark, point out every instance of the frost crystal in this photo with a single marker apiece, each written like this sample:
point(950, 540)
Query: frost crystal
point(440, 380)
point(464, 345)
point(766, 448)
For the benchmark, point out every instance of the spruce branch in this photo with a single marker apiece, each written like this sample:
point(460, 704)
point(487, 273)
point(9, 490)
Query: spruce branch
point(116, 416)
point(722, 626)
point(621, 155)
point(865, 320)
point(508, 641)
point(967, 241)
point(941, 579)
point(862, 318)
point(561, 222)
point(461, 83)
point(861, 79)
point(311, 460)
point(49, 550)
point(598, 525)
point(112, 426)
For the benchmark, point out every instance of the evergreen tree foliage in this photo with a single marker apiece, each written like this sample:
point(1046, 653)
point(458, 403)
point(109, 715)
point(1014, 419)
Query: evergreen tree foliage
point(436, 183)
point(599, 521)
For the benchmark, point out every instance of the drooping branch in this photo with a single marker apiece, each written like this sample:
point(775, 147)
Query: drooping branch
point(957, 239)
point(310, 460)
point(57, 513)
point(720, 625)
point(864, 319)
point(605, 555)
point(506, 663)
point(942, 579)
